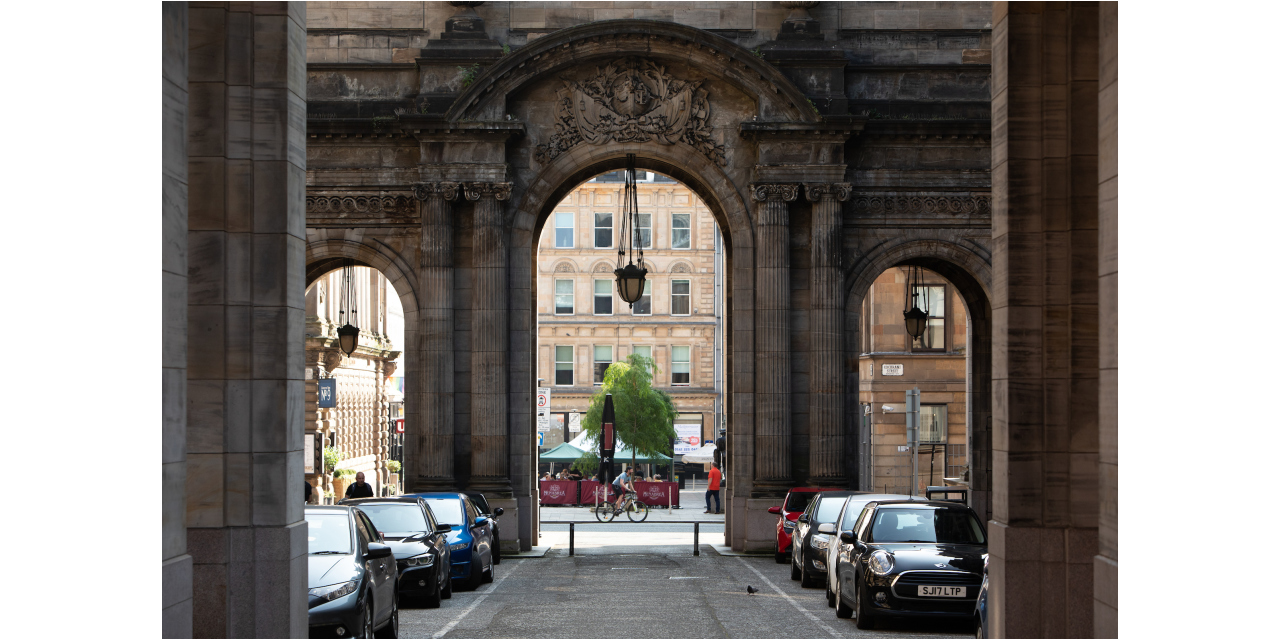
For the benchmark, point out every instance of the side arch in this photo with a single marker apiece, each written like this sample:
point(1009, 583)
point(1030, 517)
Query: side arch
point(325, 255)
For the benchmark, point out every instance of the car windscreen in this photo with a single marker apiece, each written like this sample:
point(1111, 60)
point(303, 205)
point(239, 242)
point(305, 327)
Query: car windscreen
point(446, 510)
point(828, 510)
point(947, 526)
point(396, 518)
point(797, 501)
point(851, 514)
point(328, 533)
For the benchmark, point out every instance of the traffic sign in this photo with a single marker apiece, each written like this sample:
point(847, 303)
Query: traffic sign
point(544, 397)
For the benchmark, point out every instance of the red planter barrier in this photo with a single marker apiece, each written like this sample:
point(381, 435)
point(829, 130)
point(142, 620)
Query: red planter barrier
point(655, 494)
point(558, 492)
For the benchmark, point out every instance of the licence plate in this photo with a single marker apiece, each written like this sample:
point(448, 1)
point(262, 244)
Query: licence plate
point(944, 592)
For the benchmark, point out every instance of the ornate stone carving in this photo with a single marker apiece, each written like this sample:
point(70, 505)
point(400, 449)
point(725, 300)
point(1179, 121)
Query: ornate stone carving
point(681, 267)
point(603, 268)
point(565, 267)
point(631, 100)
point(839, 190)
point(332, 359)
point(785, 192)
point(360, 206)
point(476, 190)
point(389, 368)
point(445, 190)
point(975, 205)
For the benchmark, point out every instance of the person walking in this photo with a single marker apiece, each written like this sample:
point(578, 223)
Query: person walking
point(713, 488)
point(359, 488)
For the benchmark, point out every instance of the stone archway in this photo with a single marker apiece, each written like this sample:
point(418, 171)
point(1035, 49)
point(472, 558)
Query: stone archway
point(970, 272)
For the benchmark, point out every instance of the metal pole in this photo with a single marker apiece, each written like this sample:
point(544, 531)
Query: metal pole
point(570, 539)
point(668, 500)
point(695, 538)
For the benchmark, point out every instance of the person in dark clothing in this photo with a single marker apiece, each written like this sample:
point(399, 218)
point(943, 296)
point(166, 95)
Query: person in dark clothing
point(307, 495)
point(360, 488)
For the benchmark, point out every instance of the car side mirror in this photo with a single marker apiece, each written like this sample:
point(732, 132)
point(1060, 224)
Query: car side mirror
point(377, 551)
point(481, 520)
point(826, 527)
point(497, 511)
point(775, 510)
point(443, 528)
point(804, 517)
point(846, 536)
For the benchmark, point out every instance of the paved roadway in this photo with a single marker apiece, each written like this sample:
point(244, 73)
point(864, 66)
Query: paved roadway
point(643, 581)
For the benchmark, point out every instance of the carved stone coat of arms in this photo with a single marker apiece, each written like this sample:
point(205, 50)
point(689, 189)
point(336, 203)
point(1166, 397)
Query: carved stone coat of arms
point(631, 100)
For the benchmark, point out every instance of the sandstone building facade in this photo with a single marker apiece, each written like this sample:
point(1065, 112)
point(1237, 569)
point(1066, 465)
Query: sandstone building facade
point(583, 325)
point(830, 142)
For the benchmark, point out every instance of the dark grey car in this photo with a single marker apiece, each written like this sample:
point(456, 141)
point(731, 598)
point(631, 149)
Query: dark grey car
point(418, 542)
point(808, 546)
point(351, 576)
point(482, 505)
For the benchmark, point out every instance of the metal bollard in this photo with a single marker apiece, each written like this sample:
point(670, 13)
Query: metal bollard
point(571, 539)
point(695, 538)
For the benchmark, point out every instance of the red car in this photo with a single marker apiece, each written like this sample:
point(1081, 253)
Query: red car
point(793, 505)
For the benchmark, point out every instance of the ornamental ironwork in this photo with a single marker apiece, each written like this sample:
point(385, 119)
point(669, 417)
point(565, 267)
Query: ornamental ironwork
point(631, 100)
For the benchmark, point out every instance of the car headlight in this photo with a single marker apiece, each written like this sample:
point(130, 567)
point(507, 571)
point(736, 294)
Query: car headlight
point(424, 560)
point(788, 525)
point(459, 546)
point(821, 540)
point(880, 562)
point(334, 591)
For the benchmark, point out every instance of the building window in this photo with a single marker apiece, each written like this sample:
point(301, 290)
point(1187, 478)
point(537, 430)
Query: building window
point(644, 306)
point(679, 365)
point(645, 350)
point(604, 230)
point(564, 297)
point(644, 231)
point(933, 423)
point(564, 229)
point(934, 337)
point(680, 231)
point(604, 297)
point(679, 297)
point(603, 358)
point(564, 366)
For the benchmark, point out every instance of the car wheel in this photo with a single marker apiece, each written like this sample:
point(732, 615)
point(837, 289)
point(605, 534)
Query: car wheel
point(977, 627)
point(475, 577)
point(392, 628)
point(433, 598)
point(366, 628)
point(779, 557)
point(865, 619)
point(487, 575)
point(497, 550)
point(795, 571)
point(842, 610)
point(446, 592)
point(831, 597)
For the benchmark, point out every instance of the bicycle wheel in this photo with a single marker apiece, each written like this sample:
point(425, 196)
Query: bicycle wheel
point(638, 511)
point(604, 512)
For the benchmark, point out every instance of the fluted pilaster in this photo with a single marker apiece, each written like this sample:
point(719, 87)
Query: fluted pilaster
point(489, 319)
point(773, 303)
point(826, 390)
point(435, 445)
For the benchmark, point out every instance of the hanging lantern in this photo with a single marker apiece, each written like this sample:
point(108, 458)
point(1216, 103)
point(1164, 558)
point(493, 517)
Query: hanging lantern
point(916, 318)
point(349, 332)
point(630, 276)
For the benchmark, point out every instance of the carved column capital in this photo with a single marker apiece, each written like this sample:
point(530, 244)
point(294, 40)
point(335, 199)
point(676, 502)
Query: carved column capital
point(763, 192)
point(838, 190)
point(497, 190)
point(444, 190)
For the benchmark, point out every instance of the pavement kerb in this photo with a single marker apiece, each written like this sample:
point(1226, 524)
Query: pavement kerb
point(539, 551)
point(726, 550)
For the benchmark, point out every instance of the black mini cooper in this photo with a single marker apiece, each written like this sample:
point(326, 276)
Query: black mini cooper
point(910, 559)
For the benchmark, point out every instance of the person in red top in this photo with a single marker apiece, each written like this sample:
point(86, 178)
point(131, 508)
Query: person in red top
point(713, 488)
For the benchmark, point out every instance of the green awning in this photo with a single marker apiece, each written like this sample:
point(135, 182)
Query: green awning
point(564, 452)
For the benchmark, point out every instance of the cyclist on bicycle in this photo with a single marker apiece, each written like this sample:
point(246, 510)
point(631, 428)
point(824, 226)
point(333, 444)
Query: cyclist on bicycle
point(621, 485)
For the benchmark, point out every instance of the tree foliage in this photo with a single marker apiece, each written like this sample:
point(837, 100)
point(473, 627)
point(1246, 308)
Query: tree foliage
point(643, 416)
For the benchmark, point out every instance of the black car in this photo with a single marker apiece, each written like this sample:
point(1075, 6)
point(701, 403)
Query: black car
point(808, 546)
point(419, 543)
point(492, 514)
point(910, 559)
point(351, 576)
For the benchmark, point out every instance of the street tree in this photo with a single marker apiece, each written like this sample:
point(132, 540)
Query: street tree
point(643, 416)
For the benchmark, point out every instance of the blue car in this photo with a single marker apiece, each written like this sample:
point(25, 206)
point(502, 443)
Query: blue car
point(470, 537)
point(980, 628)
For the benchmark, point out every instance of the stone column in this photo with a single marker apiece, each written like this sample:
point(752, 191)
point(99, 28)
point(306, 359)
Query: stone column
point(826, 366)
point(489, 317)
point(773, 335)
point(433, 453)
point(1106, 565)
